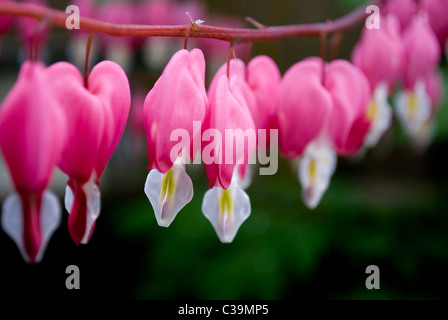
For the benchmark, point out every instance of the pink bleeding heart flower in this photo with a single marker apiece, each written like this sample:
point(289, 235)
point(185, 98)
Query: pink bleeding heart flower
point(380, 56)
point(241, 89)
point(174, 109)
point(422, 56)
point(96, 116)
point(321, 113)
point(32, 137)
point(229, 138)
point(257, 85)
point(431, 88)
point(263, 77)
point(5, 20)
point(421, 49)
point(403, 10)
point(436, 10)
point(304, 107)
point(351, 92)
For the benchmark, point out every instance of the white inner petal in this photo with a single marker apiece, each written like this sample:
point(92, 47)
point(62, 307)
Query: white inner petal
point(12, 221)
point(93, 197)
point(226, 209)
point(413, 109)
point(380, 113)
point(168, 193)
point(316, 167)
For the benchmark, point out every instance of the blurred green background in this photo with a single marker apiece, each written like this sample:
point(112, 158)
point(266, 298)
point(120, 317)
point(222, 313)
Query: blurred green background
point(387, 208)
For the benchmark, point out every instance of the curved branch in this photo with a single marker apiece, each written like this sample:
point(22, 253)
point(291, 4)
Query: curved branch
point(235, 35)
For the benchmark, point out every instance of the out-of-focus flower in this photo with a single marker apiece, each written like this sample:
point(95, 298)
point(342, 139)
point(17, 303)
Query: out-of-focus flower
point(422, 55)
point(437, 14)
point(32, 137)
point(321, 111)
point(379, 55)
point(96, 116)
point(177, 100)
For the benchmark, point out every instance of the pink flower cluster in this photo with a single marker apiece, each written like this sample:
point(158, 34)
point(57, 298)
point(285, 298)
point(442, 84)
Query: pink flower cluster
point(405, 52)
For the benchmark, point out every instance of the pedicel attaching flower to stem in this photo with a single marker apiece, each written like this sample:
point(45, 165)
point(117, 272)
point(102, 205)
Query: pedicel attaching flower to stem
point(321, 113)
point(177, 100)
point(413, 103)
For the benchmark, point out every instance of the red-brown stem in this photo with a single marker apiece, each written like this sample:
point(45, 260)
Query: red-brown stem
point(229, 56)
point(235, 35)
point(86, 66)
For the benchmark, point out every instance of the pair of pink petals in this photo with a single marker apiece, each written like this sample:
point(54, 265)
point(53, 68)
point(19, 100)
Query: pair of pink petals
point(177, 101)
point(316, 98)
point(250, 93)
point(49, 118)
point(380, 53)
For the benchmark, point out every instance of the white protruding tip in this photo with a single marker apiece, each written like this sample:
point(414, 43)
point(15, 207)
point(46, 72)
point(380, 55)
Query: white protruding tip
point(226, 209)
point(316, 167)
point(12, 221)
point(168, 193)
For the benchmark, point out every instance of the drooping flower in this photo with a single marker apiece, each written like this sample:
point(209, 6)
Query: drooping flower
point(321, 112)
point(403, 10)
point(257, 85)
point(380, 56)
point(436, 10)
point(96, 116)
point(32, 137)
point(420, 122)
point(177, 100)
point(422, 55)
point(228, 140)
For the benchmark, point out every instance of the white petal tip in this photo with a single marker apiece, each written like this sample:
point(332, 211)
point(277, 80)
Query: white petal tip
point(12, 222)
point(168, 193)
point(226, 210)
